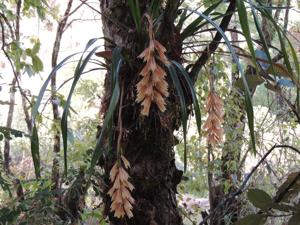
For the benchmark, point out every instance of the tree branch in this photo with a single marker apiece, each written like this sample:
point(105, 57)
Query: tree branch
point(8, 24)
point(215, 42)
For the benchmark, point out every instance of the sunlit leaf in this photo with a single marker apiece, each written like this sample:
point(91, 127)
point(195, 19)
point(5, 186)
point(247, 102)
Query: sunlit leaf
point(259, 198)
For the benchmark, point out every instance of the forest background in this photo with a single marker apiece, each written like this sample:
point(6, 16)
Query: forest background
point(242, 168)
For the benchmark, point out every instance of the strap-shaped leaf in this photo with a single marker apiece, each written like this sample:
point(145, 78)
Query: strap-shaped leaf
point(297, 67)
point(245, 26)
point(64, 120)
point(260, 32)
point(193, 26)
point(266, 13)
point(154, 7)
point(117, 57)
point(193, 93)
point(136, 13)
point(37, 104)
point(178, 87)
point(215, 19)
point(35, 151)
point(283, 38)
point(181, 20)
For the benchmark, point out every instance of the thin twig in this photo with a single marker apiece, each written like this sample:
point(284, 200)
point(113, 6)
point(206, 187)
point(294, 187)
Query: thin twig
point(243, 185)
point(121, 25)
point(12, 64)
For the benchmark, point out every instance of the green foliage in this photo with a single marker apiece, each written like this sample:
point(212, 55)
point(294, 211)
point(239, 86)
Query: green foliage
point(5, 183)
point(4, 7)
point(16, 50)
point(40, 6)
point(37, 207)
point(261, 35)
point(37, 64)
point(88, 90)
point(260, 199)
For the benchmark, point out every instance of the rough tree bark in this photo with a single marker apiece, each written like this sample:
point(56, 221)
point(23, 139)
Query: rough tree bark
point(147, 142)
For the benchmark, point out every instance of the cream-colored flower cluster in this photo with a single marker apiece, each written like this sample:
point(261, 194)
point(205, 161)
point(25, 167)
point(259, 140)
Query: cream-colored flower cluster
point(213, 125)
point(120, 192)
point(153, 86)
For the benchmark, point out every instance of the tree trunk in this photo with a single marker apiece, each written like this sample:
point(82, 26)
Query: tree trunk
point(11, 109)
point(147, 142)
point(54, 100)
point(8, 125)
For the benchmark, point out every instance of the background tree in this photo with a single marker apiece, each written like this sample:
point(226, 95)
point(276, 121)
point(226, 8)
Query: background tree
point(14, 50)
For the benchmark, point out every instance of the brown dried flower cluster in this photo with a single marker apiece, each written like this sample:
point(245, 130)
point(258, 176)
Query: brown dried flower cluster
point(120, 192)
point(153, 86)
point(213, 125)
